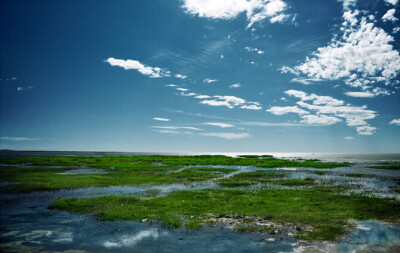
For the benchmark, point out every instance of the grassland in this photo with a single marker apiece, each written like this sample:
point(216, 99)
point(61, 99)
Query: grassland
point(326, 211)
point(133, 170)
point(131, 161)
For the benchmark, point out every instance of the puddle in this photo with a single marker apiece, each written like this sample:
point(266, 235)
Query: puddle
point(83, 171)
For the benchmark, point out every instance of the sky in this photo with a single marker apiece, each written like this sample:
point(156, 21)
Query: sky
point(200, 75)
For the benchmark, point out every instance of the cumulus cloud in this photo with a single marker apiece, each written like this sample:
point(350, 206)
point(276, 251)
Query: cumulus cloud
point(256, 10)
point(281, 110)
point(6, 138)
point(207, 80)
point(319, 120)
point(362, 56)
point(395, 122)
point(328, 111)
point(232, 102)
point(361, 94)
point(228, 136)
point(152, 72)
point(161, 119)
point(389, 16)
point(366, 130)
point(393, 2)
point(181, 89)
point(222, 125)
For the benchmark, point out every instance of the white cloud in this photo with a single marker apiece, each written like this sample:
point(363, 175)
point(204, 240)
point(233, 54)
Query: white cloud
point(167, 131)
point(207, 80)
point(181, 89)
point(366, 130)
point(281, 110)
point(152, 72)
point(222, 56)
point(170, 85)
point(395, 122)
point(396, 29)
point(319, 120)
point(228, 136)
point(393, 2)
point(180, 76)
point(176, 128)
point(6, 138)
point(362, 56)
point(217, 103)
point(222, 125)
point(347, 4)
point(236, 85)
point(349, 138)
point(329, 111)
point(317, 100)
point(279, 18)
point(202, 96)
point(20, 88)
point(389, 16)
point(232, 102)
point(251, 107)
point(254, 49)
point(306, 81)
point(161, 119)
point(256, 10)
point(361, 94)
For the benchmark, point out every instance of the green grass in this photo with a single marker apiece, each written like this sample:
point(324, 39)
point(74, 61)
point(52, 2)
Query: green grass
point(269, 177)
point(37, 179)
point(133, 161)
point(387, 167)
point(323, 209)
point(220, 170)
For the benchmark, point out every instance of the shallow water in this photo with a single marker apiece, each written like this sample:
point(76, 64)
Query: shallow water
point(26, 221)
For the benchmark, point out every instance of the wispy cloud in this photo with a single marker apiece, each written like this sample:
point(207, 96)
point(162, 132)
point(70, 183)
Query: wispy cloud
point(152, 72)
point(349, 138)
point(361, 94)
point(208, 80)
point(6, 138)
point(228, 136)
point(227, 101)
point(161, 119)
point(222, 125)
point(236, 85)
point(177, 128)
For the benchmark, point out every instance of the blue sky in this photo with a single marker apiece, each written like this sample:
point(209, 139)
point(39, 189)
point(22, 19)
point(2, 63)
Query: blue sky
point(200, 76)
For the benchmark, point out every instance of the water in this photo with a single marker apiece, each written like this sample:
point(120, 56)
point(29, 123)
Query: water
point(27, 224)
